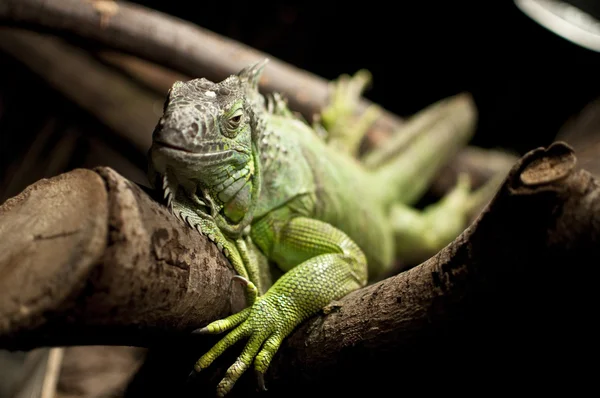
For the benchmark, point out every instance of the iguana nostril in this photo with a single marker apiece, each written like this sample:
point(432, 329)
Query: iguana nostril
point(194, 128)
point(169, 137)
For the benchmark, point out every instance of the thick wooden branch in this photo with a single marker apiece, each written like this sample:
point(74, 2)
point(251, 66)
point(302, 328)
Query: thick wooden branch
point(88, 258)
point(172, 42)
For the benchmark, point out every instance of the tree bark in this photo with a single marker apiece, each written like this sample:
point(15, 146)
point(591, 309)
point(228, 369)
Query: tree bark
point(89, 258)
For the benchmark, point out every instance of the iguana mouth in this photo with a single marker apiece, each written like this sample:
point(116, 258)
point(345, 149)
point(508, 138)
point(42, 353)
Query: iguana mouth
point(218, 153)
point(171, 146)
point(203, 157)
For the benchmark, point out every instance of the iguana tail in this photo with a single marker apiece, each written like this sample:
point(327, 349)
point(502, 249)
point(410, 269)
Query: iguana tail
point(407, 164)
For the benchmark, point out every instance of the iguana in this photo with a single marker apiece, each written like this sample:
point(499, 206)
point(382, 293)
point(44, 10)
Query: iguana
point(268, 187)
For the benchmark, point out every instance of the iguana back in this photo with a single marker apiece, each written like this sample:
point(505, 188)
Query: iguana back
point(299, 169)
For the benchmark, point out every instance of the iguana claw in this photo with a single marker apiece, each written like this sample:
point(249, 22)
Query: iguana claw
point(251, 289)
point(260, 376)
point(203, 330)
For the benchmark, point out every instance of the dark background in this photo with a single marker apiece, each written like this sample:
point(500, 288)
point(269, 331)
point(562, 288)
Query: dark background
point(526, 81)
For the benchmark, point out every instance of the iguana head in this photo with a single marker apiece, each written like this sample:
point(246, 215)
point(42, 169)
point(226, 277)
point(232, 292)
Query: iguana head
point(204, 140)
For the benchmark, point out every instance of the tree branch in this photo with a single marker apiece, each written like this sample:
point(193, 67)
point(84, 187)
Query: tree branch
point(89, 258)
point(175, 43)
point(106, 264)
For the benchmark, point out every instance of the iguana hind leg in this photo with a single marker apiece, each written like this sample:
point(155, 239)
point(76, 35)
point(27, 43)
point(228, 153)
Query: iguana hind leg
point(408, 163)
point(344, 125)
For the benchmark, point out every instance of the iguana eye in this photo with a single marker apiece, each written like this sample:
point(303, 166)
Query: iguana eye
point(233, 123)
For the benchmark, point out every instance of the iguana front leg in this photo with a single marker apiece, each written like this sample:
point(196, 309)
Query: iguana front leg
point(241, 253)
point(324, 265)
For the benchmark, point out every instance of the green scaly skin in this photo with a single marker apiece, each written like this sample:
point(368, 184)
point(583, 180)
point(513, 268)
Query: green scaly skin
point(265, 186)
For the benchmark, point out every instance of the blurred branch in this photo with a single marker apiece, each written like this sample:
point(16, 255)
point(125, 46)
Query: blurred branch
point(98, 371)
point(157, 78)
point(117, 101)
point(582, 132)
point(174, 43)
point(55, 360)
point(480, 164)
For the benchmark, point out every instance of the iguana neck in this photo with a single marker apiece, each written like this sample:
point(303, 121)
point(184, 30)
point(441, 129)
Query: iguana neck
point(240, 198)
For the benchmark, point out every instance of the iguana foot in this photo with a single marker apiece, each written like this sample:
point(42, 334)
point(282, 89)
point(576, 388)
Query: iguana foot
point(265, 327)
point(345, 127)
point(420, 234)
point(334, 266)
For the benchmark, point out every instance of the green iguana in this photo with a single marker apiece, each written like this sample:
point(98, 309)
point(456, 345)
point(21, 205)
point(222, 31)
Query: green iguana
point(268, 187)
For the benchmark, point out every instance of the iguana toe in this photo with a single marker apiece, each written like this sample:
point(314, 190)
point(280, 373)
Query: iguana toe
point(243, 362)
point(224, 324)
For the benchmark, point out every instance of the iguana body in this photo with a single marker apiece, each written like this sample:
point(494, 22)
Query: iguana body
point(249, 174)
